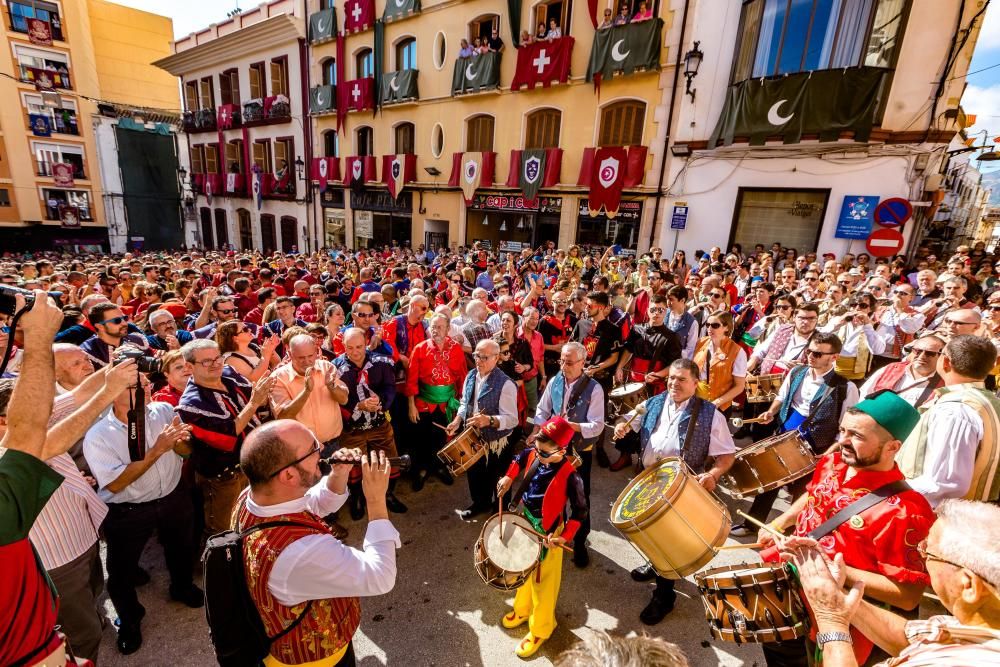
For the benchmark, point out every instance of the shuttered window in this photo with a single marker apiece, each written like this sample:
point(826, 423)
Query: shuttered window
point(404, 138)
point(279, 76)
point(479, 135)
point(542, 129)
point(621, 124)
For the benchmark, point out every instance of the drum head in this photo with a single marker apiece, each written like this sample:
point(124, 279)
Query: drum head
point(515, 549)
point(645, 491)
point(626, 389)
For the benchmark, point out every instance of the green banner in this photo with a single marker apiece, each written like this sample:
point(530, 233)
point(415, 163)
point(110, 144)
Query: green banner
point(514, 16)
point(476, 73)
point(532, 172)
point(400, 9)
point(625, 49)
point(399, 86)
point(323, 25)
point(322, 99)
point(824, 103)
point(379, 61)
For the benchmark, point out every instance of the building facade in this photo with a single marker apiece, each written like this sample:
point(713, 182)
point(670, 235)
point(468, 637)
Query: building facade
point(244, 90)
point(417, 141)
point(65, 59)
point(803, 116)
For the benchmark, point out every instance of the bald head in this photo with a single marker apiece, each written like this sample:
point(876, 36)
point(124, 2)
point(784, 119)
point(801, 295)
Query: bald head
point(271, 446)
point(302, 352)
point(72, 365)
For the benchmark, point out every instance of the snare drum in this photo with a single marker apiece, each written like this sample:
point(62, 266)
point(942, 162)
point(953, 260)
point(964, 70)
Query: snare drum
point(763, 388)
point(506, 560)
point(757, 603)
point(626, 397)
point(671, 519)
point(462, 451)
point(769, 464)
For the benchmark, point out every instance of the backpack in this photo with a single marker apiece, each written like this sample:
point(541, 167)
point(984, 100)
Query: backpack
point(234, 622)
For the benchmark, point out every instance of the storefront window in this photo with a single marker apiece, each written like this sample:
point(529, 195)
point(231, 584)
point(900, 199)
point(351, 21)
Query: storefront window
point(798, 214)
point(602, 231)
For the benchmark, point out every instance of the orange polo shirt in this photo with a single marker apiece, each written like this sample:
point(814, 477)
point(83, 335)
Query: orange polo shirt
point(321, 413)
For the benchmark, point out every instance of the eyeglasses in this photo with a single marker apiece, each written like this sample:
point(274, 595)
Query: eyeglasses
point(227, 311)
point(902, 292)
point(995, 306)
point(812, 280)
point(782, 307)
point(208, 363)
point(657, 310)
point(930, 354)
point(115, 320)
point(716, 295)
point(244, 329)
point(714, 325)
point(569, 362)
point(316, 448)
point(364, 314)
point(483, 357)
point(817, 354)
point(929, 555)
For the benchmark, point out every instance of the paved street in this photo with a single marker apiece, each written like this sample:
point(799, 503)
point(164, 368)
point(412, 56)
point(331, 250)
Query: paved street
point(441, 613)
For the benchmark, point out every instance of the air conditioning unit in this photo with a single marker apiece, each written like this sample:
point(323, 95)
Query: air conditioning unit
point(933, 182)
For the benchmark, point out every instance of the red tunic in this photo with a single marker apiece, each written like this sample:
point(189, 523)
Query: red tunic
point(885, 539)
point(435, 366)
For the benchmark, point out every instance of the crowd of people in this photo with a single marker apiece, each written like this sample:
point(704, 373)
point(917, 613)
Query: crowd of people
point(185, 394)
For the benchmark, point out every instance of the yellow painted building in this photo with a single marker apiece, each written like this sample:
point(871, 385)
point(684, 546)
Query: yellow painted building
point(571, 116)
point(98, 51)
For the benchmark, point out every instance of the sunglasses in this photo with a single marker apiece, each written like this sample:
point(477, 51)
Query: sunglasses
point(716, 295)
point(782, 307)
point(115, 320)
point(714, 325)
point(817, 354)
point(316, 449)
point(227, 311)
point(902, 292)
point(930, 354)
point(658, 310)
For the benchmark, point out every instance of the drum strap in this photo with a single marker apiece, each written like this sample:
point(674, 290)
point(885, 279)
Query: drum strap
point(858, 506)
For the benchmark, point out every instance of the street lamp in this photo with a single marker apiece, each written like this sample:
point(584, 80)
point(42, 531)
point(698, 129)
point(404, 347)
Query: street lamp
point(299, 167)
point(692, 61)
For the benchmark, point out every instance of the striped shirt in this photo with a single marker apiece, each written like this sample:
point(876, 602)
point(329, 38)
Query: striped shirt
point(67, 526)
point(941, 641)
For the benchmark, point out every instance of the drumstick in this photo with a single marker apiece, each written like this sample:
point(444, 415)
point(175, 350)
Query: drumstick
point(763, 526)
point(737, 422)
point(755, 545)
point(541, 536)
point(639, 410)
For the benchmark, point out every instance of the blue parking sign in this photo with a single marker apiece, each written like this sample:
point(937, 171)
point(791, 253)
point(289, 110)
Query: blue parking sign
point(678, 220)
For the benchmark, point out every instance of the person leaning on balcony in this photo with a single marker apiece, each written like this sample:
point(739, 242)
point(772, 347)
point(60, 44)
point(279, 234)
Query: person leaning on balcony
point(494, 43)
point(465, 51)
point(644, 13)
point(555, 32)
point(622, 18)
point(526, 38)
point(608, 20)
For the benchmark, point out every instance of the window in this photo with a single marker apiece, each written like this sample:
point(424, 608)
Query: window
point(329, 67)
point(246, 233)
point(289, 234)
point(483, 26)
point(331, 145)
point(542, 129)
point(440, 50)
point(22, 10)
point(279, 76)
point(479, 134)
point(364, 141)
point(221, 228)
point(191, 96)
point(798, 214)
point(364, 64)
point(206, 228)
point(267, 235)
point(78, 198)
point(405, 133)
point(54, 63)
point(211, 159)
point(229, 86)
point(284, 155)
point(786, 36)
point(621, 124)
point(437, 140)
point(258, 81)
point(47, 155)
point(4, 197)
point(206, 92)
point(262, 155)
point(406, 54)
point(62, 120)
point(197, 159)
point(558, 11)
point(234, 157)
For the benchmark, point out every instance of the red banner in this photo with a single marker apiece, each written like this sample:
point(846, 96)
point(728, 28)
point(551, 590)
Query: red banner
point(397, 171)
point(471, 171)
point(39, 32)
point(225, 116)
point(324, 170)
point(359, 169)
point(62, 174)
point(541, 63)
point(360, 94)
point(69, 215)
point(46, 79)
point(607, 180)
point(358, 15)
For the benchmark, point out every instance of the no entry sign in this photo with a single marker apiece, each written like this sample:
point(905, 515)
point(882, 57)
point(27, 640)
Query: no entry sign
point(893, 212)
point(885, 243)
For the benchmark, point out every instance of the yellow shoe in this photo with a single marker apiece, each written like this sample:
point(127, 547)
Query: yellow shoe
point(529, 645)
point(512, 620)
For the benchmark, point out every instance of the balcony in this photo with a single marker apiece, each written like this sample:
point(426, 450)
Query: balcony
point(360, 94)
point(38, 28)
point(47, 78)
point(476, 74)
point(267, 111)
point(234, 184)
point(202, 120)
point(322, 100)
point(53, 170)
point(399, 87)
point(274, 187)
point(323, 26)
point(56, 121)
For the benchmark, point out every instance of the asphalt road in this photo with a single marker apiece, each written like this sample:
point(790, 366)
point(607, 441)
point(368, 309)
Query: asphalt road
point(441, 613)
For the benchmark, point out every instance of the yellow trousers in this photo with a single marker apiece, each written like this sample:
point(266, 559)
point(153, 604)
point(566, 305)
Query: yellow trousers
point(537, 598)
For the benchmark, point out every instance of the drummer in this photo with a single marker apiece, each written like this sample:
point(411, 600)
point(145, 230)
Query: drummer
point(489, 403)
point(553, 481)
point(651, 348)
point(879, 544)
point(678, 423)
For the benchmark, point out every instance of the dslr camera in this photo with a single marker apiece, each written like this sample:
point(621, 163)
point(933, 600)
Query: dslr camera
point(8, 305)
point(143, 362)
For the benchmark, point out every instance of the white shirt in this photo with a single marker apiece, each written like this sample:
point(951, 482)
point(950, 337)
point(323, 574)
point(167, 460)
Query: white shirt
point(739, 365)
point(954, 431)
point(793, 350)
point(593, 427)
point(508, 404)
point(692, 336)
point(850, 336)
point(807, 392)
point(890, 320)
point(317, 567)
point(665, 440)
point(106, 449)
point(909, 387)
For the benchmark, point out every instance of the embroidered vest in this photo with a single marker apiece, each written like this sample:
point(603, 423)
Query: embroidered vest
point(682, 327)
point(856, 367)
point(824, 415)
point(330, 623)
point(782, 336)
point(697, 452)
point(577, 409)
point(720, 371)
point(900, 338)
point(893, 373)
point(488, 401)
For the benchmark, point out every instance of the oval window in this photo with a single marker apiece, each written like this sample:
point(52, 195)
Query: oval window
point(437, 140)
point(440, 50)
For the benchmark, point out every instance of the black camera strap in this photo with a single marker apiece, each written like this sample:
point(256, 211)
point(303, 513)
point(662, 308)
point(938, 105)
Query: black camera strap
point(137, 424)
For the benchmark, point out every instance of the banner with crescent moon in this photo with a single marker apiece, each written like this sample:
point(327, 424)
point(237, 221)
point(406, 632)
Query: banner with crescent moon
point(476, 73)
point(624, 49)
point(400, 9)
point(322, 99)
point(323, 25)
point(399, 86)
point(822, 104)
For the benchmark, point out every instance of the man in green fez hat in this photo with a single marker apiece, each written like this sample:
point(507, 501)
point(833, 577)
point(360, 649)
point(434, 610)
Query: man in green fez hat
point(874, 545)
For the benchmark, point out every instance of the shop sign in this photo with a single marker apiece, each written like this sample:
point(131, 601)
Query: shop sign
point(498, 202)
point(363, 225)
point(332, 198)
point(628, 210)
point(855, 221)
point(513, 246)
point(371, 199)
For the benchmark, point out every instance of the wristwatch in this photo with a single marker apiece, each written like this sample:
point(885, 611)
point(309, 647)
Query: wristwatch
point(824, 637)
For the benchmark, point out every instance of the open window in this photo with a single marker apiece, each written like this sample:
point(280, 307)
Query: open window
point(483, 26)
point(331, 144)
point(279, 76)
point(364, 141)
point(542, 128)
point(22, 10)
point(47, 155)
point(197, 159)
point(329, 70)
point(191, 96)
point(229, 86)
point(234, 157)
point(62, 119)
point(211, 158)
point(262, 155)
point(405, 138)
point(206, 93)
point(258, 81)
point(284, 155)
point(479, 134)
point(554, 10)
point(364, 64)
point(406, 54)
point(622, 123)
